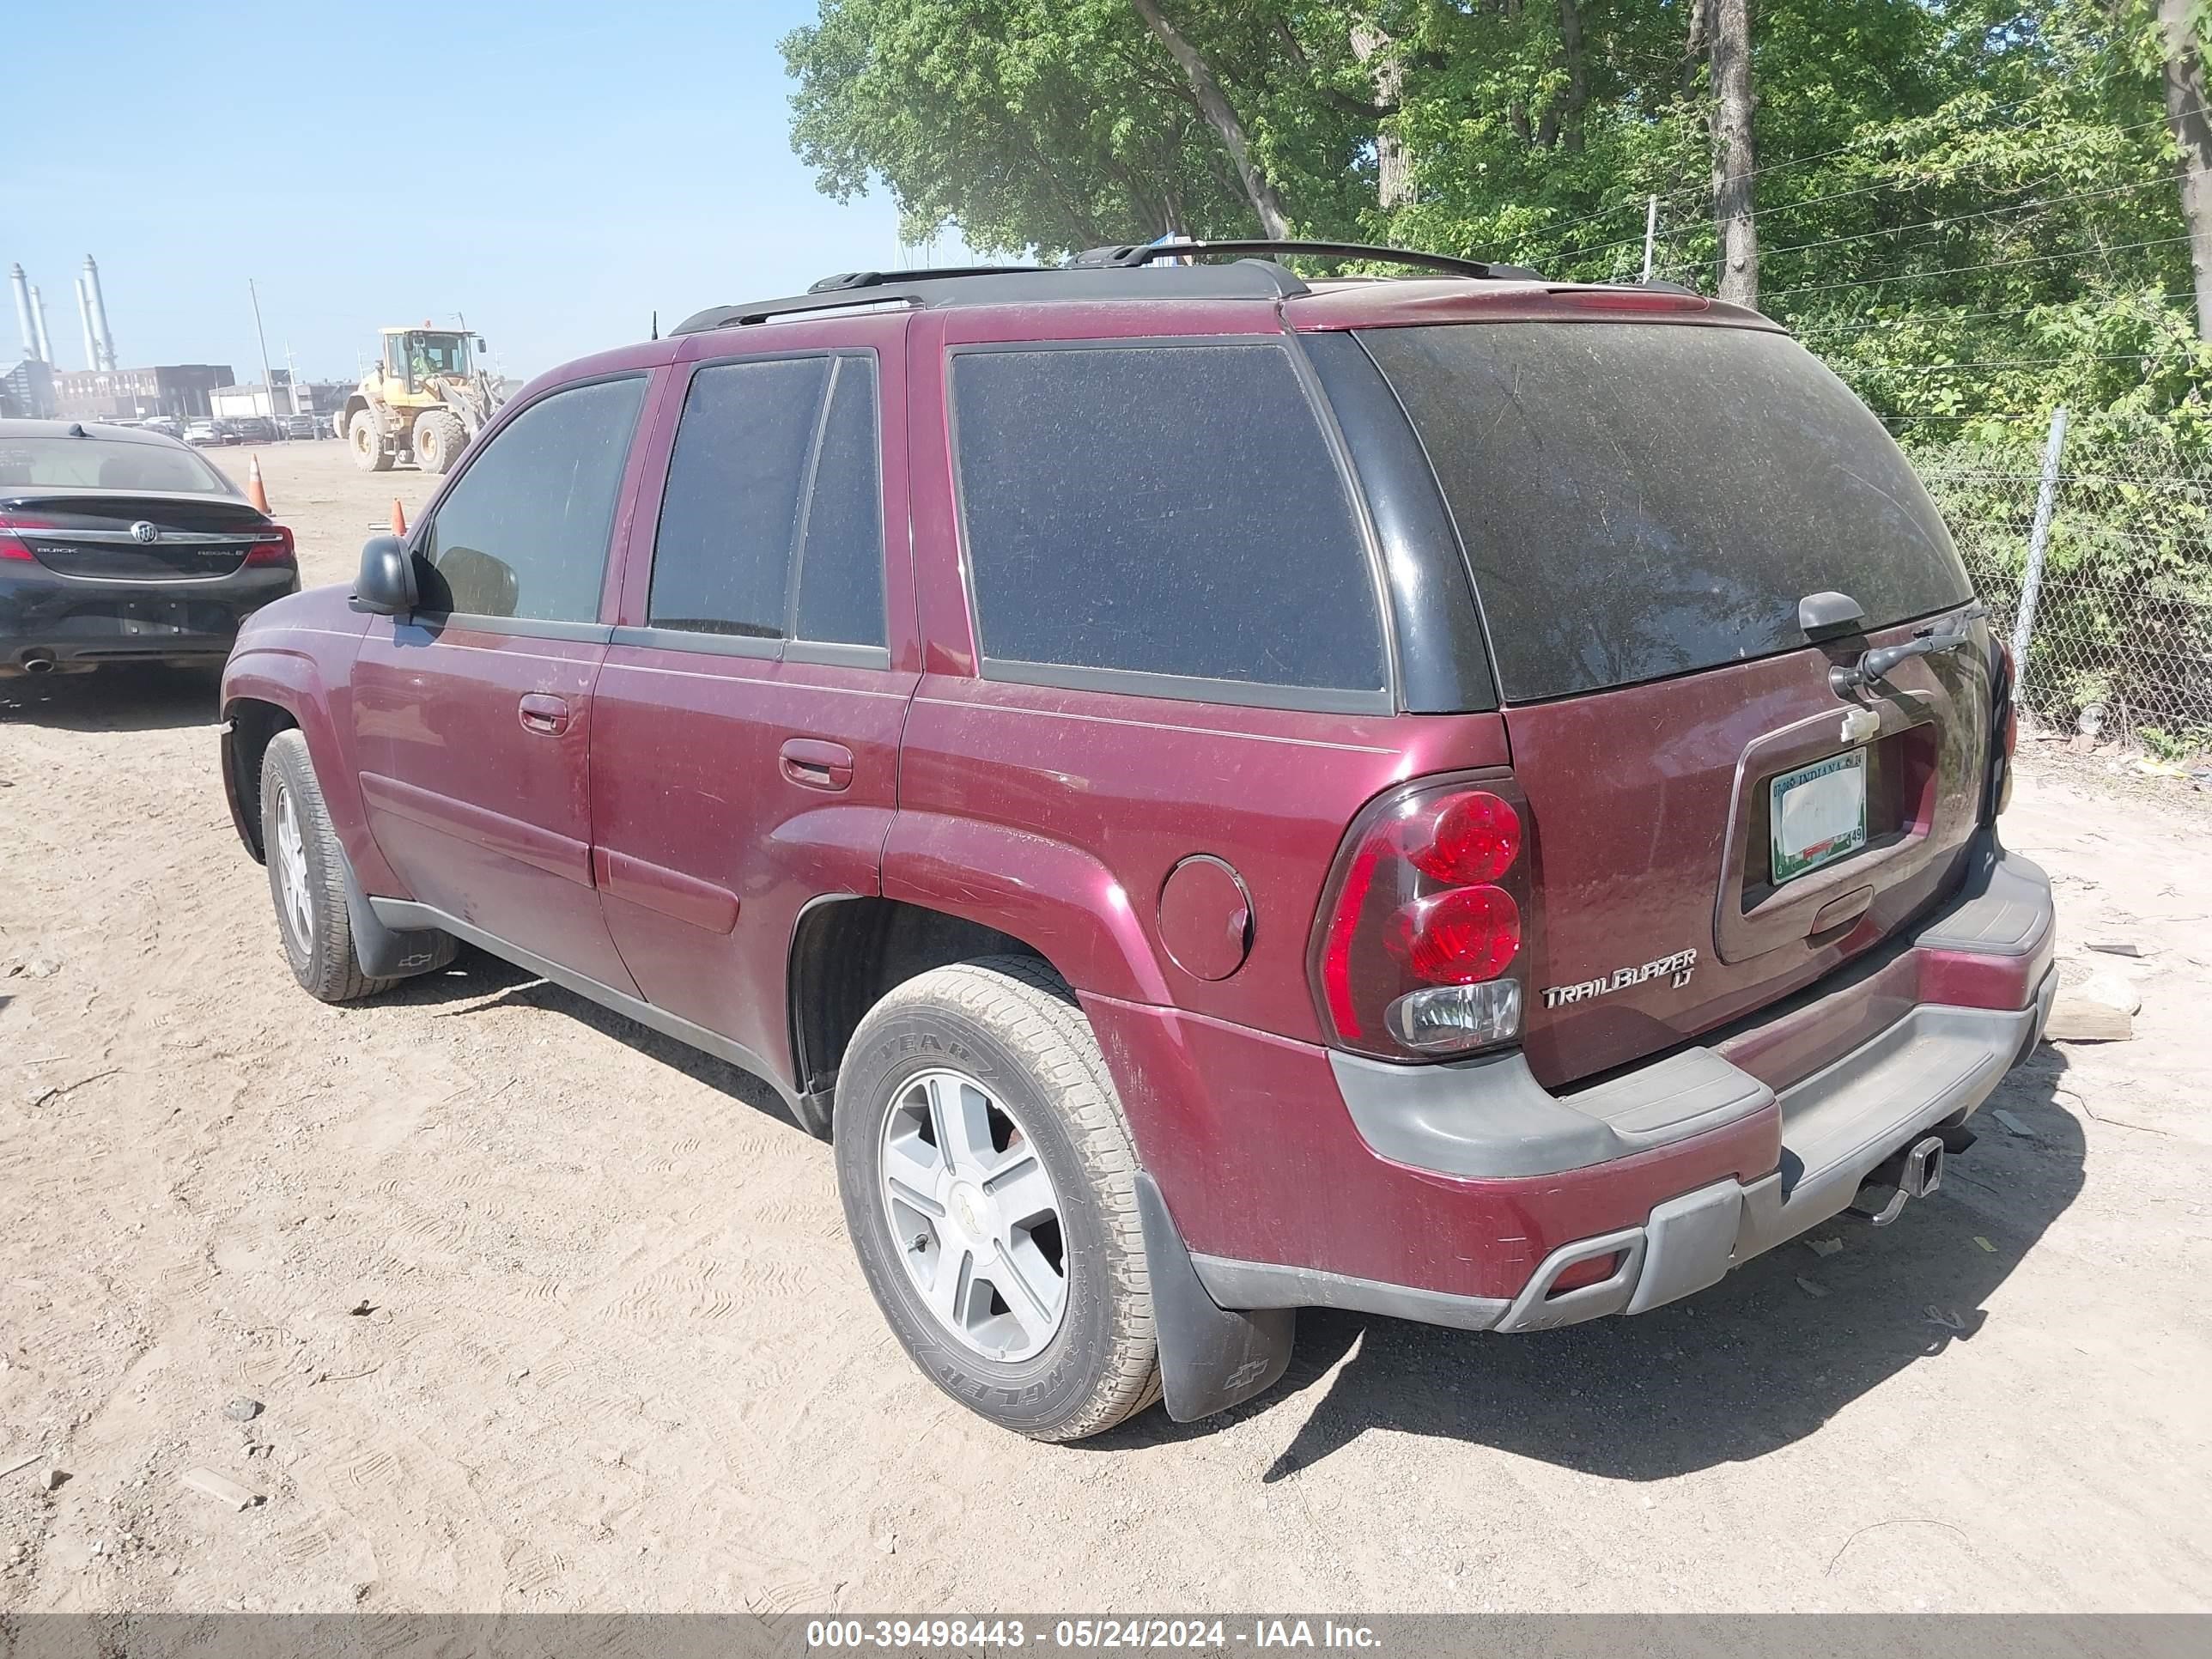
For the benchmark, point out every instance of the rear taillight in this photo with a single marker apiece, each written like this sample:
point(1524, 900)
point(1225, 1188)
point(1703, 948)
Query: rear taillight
point(1419, 951)
point(270, 546)
point(12, 545)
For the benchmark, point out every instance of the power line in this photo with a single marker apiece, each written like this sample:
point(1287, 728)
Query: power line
point(1964, 218)
point(1823, 329)
point(2005, 362)
point(1767, 215)
point(1961, 271)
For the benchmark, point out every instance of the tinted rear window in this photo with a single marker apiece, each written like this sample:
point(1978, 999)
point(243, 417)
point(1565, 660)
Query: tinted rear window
point(106, 463)
point(1639, 500)
point(1164, 510)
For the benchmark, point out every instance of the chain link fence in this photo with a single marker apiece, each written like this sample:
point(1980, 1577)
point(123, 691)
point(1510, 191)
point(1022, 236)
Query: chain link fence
point(2119, 643)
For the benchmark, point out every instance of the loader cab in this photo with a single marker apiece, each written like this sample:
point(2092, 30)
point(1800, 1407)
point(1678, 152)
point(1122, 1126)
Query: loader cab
point(412, 355)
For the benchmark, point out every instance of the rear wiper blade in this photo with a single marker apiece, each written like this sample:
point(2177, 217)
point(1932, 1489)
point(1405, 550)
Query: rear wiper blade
point(1873, 666)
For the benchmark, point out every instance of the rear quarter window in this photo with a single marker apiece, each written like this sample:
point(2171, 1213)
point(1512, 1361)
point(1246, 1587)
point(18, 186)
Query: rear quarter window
point(1160, 510)
point(1640, 500)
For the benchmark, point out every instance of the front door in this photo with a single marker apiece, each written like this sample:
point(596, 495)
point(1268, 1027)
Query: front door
point(472, 718)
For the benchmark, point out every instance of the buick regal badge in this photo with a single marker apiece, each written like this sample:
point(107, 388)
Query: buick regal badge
point(144, 531)
point(1678, 969)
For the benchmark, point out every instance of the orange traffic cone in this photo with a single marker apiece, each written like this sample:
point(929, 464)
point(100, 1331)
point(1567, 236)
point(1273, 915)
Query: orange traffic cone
point(254, 490)
point(398, 519)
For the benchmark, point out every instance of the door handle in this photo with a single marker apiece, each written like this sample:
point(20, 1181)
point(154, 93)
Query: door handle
point(813, 764)
point(546, 715)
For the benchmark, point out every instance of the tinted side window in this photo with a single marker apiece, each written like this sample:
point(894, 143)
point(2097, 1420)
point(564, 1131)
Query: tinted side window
point(1163, 510)
point(840, 566)
point(721, 559)
point(525, 531)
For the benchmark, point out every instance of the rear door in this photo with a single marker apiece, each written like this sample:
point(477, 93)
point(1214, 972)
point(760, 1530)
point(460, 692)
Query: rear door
point(1643, 507)
point(472, 719)
point(744, 754)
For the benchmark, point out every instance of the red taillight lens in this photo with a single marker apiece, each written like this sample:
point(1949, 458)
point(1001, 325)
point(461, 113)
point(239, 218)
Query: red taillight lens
point(1419, 950)
point(1462, 937)
point(270, 546)
point(12, 545)
point(1475, 837)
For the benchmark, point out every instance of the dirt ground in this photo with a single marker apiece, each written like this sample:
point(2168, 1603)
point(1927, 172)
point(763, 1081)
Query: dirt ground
point(545, 1312)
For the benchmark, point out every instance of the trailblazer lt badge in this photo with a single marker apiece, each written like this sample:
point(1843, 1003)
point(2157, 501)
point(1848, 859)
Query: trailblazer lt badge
point(1678, 967)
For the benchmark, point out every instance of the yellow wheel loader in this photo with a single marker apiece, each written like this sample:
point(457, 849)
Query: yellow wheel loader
point(423, 402)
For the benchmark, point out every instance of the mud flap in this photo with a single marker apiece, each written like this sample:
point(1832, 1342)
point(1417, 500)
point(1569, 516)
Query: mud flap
point(386, 952)
point(1211, 1358)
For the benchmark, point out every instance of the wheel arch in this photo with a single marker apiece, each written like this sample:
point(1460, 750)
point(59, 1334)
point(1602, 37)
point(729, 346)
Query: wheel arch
point(850, 950)
point(269, 690)
point(251, 724)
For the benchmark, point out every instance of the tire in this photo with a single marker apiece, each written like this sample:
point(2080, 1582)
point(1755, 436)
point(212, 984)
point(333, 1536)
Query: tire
point(306, 877)
point(1005, 1031)
point(366, 437)
point(439, 437)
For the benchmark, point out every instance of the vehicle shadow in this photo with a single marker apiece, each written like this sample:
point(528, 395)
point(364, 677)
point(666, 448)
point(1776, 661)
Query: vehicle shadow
point(131, 697)
point(1761, 1360)
point(478, 982)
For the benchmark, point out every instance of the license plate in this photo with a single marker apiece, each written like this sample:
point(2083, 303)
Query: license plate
point(1818, 814)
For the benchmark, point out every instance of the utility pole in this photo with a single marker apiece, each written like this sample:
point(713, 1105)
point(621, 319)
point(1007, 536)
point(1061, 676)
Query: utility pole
point(268, 381)
point(1651, 234)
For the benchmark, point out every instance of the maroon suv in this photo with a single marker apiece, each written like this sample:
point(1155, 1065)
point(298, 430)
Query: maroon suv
point(1460, 798)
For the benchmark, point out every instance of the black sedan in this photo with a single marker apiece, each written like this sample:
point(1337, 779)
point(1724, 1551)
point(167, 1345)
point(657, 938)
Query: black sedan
point(119, 544)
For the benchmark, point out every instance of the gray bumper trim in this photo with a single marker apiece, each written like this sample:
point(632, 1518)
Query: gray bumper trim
point(1266, 1285)
point(1936, 1065)
point(1490, 1118)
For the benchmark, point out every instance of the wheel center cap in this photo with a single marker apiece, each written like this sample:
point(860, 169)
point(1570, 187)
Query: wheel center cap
point(970, 1209)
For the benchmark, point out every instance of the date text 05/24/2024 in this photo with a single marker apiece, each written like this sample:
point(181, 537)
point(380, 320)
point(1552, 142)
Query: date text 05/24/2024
point(1087, 1635)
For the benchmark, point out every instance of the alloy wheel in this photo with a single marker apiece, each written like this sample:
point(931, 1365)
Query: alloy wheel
point(975, 1216)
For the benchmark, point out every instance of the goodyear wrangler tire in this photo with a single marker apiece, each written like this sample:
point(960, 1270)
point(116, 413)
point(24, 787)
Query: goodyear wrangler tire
point(990, 1186)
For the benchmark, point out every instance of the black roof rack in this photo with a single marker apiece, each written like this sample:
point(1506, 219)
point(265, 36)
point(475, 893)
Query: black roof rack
point(1131, 255)
point(845, 280)
point(1103, 273)
point(1246, 279)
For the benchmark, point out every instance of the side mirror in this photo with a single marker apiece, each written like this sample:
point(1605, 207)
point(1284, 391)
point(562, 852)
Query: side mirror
point(385, 587)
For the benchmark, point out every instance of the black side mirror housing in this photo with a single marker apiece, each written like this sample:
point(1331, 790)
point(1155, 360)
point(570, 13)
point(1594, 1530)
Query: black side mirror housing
point(385, 587)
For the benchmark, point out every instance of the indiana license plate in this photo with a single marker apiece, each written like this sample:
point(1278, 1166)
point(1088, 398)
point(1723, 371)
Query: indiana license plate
point(1818, 814)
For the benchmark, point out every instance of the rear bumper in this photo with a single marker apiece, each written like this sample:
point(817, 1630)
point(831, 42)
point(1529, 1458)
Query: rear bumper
point(1476, 1191)
point(61, 622)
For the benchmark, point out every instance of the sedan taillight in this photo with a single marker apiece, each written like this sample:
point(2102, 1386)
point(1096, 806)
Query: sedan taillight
point(270, 546)
point(12, 545)
point(1419, 951)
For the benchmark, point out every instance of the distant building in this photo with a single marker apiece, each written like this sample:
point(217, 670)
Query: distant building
point(107, 394)
point(238, 402)
point(26, 392)
point(235, 403)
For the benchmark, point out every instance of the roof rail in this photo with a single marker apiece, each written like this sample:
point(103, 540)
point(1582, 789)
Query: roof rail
point(846, 280)
point(1246, 279)
point(1129, 255)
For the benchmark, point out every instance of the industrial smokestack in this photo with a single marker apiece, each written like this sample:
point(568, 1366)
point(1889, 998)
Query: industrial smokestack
point(84, 315)
point(23, 311)
point(101, 331)
point(39, 322)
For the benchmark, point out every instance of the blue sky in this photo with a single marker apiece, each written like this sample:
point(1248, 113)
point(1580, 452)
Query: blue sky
point(558, 171)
